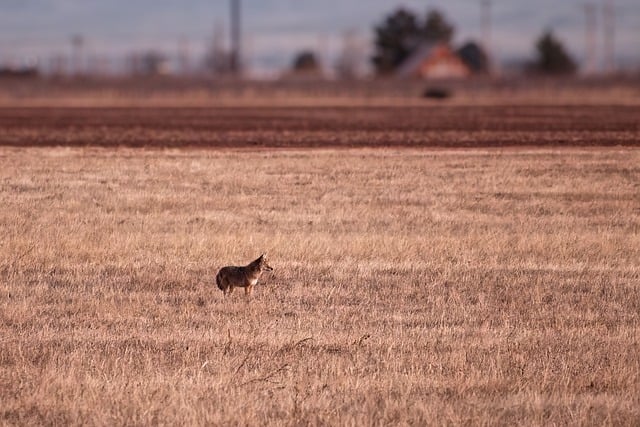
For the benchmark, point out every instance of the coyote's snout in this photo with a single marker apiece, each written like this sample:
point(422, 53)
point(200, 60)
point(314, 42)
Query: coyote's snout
point(243, 277)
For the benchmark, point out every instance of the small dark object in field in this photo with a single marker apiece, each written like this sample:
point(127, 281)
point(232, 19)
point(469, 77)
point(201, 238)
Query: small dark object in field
point(436, 93)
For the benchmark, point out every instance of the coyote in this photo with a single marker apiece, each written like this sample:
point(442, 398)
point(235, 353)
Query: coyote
point(243, 277)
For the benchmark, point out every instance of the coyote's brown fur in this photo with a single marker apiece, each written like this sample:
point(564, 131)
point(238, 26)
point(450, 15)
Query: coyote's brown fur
point(242, 277)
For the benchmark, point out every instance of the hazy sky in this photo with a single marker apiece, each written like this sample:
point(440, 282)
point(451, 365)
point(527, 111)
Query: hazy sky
point(275, 29)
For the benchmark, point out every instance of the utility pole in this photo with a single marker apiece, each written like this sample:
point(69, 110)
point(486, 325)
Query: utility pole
point(323, 52)
point(609, 36)
point(590, 38)
point(77, 43)
point(236, 41)
point(485, 21)
point(348, 66)
point(218, 58)
point(184, 65)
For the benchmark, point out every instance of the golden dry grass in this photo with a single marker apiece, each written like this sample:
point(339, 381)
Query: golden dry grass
point(476, 287)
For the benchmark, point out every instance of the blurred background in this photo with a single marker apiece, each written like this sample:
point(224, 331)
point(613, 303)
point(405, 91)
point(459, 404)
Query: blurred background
point(330, 40)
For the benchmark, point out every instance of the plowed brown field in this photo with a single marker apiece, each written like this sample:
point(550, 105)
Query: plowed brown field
point(429, 126)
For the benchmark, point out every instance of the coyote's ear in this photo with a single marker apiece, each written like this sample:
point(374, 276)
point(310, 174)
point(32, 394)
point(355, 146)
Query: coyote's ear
point(263, 256)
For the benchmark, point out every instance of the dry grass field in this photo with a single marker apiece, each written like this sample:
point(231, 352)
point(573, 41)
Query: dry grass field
point(411, 286)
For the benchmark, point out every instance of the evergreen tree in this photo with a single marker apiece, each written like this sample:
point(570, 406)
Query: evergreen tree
point(475, 57)
point(552, 56)
point(306, 62)
point(436, 28)
point(395, 40)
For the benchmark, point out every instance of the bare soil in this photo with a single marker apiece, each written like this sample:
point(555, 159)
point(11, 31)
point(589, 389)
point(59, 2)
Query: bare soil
point(300, 127)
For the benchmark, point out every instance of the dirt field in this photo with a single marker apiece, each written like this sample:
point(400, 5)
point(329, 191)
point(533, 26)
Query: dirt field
point(411, 286)
point(296, 127)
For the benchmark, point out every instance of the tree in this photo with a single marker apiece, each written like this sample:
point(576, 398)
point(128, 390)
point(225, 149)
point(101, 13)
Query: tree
point(552, 56)
point(401, 33)
point(306, 62)
point(475, 57)
point(395, 40)
point(436, 28)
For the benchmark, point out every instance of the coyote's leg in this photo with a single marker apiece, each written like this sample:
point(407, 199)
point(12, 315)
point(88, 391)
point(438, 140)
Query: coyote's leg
point(248, 290)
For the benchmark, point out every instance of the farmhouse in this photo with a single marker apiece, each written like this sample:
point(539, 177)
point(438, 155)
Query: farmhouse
point(433, 61)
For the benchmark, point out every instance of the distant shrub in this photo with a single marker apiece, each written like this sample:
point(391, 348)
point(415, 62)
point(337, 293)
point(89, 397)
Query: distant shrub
point(437, 93)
